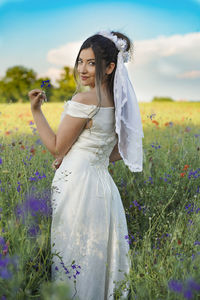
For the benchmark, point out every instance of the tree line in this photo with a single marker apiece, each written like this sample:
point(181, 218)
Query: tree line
point(19, 80)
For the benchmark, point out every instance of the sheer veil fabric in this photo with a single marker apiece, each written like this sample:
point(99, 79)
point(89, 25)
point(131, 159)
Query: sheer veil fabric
point(127, 114)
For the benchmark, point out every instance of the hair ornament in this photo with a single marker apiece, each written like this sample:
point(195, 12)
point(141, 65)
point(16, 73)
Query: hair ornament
point(121, 44)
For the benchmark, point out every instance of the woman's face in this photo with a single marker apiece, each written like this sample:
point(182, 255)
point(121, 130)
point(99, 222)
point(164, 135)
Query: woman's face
point(86, 67)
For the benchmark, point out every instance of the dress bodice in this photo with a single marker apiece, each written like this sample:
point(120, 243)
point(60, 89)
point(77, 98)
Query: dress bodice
point(98, 140)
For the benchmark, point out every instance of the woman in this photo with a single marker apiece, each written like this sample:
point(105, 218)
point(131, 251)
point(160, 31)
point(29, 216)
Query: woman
point(88, 219)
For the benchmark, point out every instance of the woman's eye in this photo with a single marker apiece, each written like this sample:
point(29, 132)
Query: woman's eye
point(93, 63)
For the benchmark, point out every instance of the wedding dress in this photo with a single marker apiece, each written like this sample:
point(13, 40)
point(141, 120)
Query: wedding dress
point(88, 217)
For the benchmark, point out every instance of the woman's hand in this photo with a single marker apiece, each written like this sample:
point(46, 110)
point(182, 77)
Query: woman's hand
point(57, 162)
point(37, 97)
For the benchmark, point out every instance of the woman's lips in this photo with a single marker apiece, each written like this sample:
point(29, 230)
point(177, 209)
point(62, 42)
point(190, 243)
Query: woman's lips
point(84, 78)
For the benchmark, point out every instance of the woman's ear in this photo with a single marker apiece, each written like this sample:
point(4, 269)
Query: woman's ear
point(110, 68)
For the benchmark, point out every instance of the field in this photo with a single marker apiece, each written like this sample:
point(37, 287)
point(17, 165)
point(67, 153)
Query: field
point(162, 205)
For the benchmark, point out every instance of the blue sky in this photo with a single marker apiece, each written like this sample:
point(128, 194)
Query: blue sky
point(37, 34)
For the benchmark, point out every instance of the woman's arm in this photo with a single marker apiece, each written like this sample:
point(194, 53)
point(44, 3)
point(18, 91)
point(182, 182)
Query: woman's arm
point(114, 156)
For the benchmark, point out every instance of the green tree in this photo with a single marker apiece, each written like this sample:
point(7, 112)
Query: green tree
point(19, 80)
point(66, 88)
point(16, 83)
point(162, 99)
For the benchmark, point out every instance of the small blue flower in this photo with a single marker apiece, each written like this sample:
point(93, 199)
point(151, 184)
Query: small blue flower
point(175, 286)
point(188, 294)
point(196, 243)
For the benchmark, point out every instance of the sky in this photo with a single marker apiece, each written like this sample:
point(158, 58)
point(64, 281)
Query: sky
point(47, 35)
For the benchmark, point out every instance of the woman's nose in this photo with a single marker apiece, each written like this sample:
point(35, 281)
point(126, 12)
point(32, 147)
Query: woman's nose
point(83, 68)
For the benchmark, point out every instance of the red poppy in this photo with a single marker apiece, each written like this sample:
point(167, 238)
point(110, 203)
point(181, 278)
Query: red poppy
point(32, 151)
point(7, 132)
point(155, 122)
point(186, 167)
point(44, 151)
point(22, 147)
point(183, 174)
point(179, 242)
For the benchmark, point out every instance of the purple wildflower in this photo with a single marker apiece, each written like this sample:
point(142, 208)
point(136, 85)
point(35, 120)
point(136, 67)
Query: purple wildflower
point(19, 186)
point(188, 294)
point(175, 286)
point(193, 285)
point(4, 274)
point(36, 205)
point(33, 230)
point(38, 142)
point(2, 241)
point(196, 243)
point(1, 161)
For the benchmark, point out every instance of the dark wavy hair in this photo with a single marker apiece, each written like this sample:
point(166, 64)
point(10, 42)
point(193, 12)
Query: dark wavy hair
point(105, 52)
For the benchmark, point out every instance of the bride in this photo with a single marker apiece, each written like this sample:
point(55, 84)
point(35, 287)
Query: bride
point(89, 226)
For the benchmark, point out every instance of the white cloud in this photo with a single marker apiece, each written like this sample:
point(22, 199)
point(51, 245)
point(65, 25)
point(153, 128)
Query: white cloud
point(186, 46)
point(164, 66)
point(190, 74)
point(64, 55)
point(53, 73)
point(167, 66)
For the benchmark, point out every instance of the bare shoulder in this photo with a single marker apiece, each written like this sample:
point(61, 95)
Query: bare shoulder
point(84, 97)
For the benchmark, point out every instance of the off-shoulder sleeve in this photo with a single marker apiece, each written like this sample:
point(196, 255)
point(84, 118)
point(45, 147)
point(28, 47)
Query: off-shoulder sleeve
point(77, 109)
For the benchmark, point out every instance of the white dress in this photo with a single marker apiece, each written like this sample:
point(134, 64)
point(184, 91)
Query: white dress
point(88, 217)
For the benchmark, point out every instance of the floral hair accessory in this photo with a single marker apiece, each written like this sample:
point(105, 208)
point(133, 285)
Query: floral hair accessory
point(121, 44)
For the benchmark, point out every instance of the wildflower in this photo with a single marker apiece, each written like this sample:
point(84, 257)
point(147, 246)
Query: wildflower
point(36, 205)
point(151, 116)
point(7, 132)
point(1, 161)
point(38, 142)
point(155, 122)
point(156, 147)
point(183, 174)
point(197, 243)
point(5, 274)
point(19, 186)
point(31, 122)
point(187, 129)
point(193, 285)
point(179, 242)
point(188, 294)
point(33, 230)
point(175, 286)
point(44, 151)
point(185, 167)
point(22, 147)
point(32, 151)
point(36, 178)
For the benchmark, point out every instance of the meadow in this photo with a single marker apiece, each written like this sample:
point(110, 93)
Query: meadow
point(162, 205)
